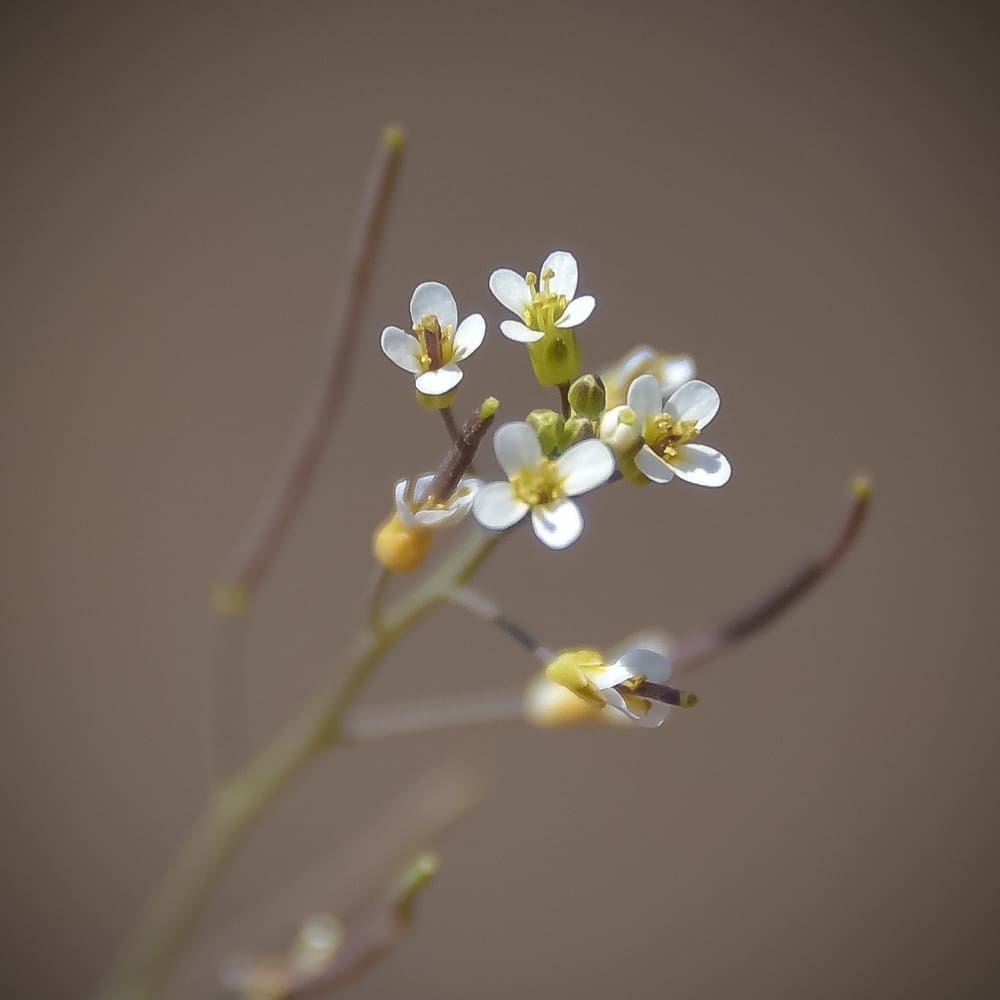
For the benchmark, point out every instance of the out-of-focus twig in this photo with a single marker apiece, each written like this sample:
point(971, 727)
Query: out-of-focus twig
point(699, 648)
point(263, 533)
point(257, 544)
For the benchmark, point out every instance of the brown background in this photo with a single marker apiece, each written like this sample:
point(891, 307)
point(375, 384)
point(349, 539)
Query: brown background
point(804, 197)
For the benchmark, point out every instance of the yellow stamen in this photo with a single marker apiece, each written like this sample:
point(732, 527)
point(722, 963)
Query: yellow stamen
point(436, 346)
point(538, 485)
point(665, 434)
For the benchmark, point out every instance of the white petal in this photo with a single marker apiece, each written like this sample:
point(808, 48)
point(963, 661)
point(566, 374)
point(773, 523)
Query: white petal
point(437, 517)
point(563, 263)
point(558, 525)
point(694, 400)
point(431, 298)
point(609, 676)
point(656, 715)
point(420, 486)
point(699, 464)
point(511, 290)
point(652, 466)
point(645, 663)
point(576, 312)
point(468, 336)
point(439, 381)
point(618, 703)
point(674, 372)
point(644, 398)
point(516, 445)
point(401, 348)
point(585, 466)
point(496, 507)
point(514, 329)
point(402, 507)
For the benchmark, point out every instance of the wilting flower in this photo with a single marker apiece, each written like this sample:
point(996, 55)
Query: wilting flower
point(547, 314)
point(542, 485)
point(438, 342)
point(668, 430)
point(633, 685)
point(402, 541)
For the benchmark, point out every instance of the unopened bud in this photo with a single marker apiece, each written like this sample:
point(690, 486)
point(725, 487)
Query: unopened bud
point(587, 396)
point(548, 425)
point(620, 431)
point(401, 547)
point(555, 358)
point(576, 429)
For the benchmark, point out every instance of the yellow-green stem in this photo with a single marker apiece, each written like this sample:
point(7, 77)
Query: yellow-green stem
point(144, 963)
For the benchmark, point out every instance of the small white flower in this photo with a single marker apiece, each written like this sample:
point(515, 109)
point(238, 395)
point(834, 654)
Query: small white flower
point(545, 310)
point(671, 371)
point(634, 686)
point(415, 507)
point(669, 428)
point(438, 342)
point(541, 485)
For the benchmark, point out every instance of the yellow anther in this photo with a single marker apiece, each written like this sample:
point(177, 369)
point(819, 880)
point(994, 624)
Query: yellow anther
point(665, 434)
point(539, 484)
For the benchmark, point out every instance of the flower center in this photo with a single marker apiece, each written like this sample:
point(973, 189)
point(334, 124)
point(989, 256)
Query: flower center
point(538, 485)
point(665, 434)
point(436, 348)
point(545, 306)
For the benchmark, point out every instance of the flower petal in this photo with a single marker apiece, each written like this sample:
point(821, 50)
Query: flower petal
point(610, 675)
point(420, 486)
point(403, 509)
point(694, 400)
point(584, 466)
point(437, 517)
point(510, 290)
point(576, 312)
point(563, 263)
point(514, 329)
point(652, 466)
point(674, 372)
point(516, 445)
point(558, 524)
point(699, 464)
point(401, 348)
point(468, 336)
point(656, 715)
point(440, 380)
point(431, 298)
point(618, 703)
point(645, 663)
point(644, 398)
point(496, 507)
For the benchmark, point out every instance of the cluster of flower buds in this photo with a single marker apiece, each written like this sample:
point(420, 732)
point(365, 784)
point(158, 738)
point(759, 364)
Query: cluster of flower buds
point(639, 420)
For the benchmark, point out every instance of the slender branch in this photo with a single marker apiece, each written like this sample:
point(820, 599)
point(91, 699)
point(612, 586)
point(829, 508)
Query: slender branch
point(382, 576)
point(162, 929)
point(699, 648)
point(415, 717)
point(449, 422)
point(251, 557)
point(481, 606)
point(564, 406)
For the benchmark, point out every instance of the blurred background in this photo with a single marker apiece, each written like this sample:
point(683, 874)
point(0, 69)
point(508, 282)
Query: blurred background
point(803, 196)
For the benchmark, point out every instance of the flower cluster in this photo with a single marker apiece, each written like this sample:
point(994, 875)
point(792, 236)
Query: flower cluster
point(639, 420)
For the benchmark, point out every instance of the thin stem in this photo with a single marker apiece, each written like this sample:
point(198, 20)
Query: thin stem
point(565, 408)
point(482, 607)
point(411, 718)
point(382, 577)
point(701, 647)
point(449, 422)
point(258, 543)
point(146, 958)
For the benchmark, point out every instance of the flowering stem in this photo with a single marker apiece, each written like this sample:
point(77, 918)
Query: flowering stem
point(481, 606)
point(701, 647)
point(382, 576)
point(144, 963)
point(567, 410)
point(449, 422)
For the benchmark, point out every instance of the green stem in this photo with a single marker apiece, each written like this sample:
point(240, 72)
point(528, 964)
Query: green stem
point(144, 963)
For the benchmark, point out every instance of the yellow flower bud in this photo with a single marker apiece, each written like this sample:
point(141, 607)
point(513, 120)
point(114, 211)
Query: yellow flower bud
point(401, 547)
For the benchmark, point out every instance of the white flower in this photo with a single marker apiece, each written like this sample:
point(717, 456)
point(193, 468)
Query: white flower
point(541, 485)
point(634, 685)
point(545, 310)
point(438, 341)
point(669, 428)
point(415, 507)
point(671, 371)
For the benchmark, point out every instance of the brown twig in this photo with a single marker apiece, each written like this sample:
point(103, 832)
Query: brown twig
point(258, 543)
point(699, 648)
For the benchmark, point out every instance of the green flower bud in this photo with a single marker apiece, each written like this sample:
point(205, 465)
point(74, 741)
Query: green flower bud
point(548, 425)
point(576, 429)
point(587, 396)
